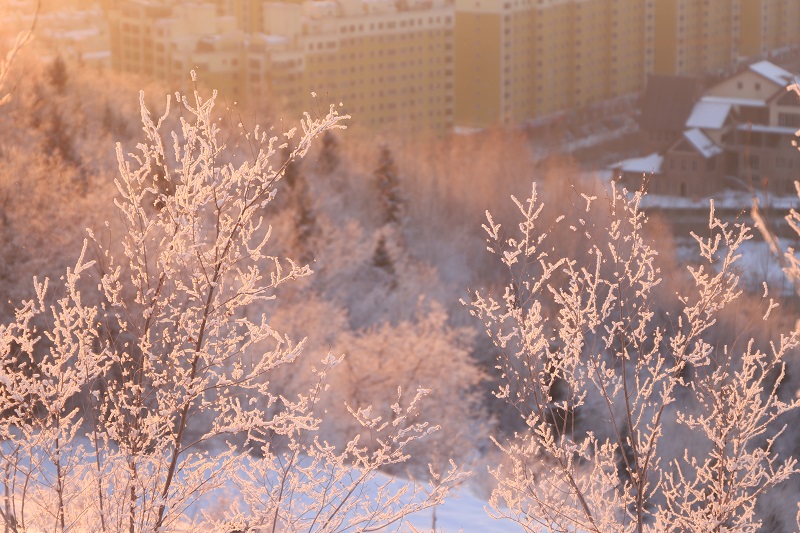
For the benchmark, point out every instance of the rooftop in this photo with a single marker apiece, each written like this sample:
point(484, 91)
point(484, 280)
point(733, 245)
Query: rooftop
point(746, 102)
point(709, 115)
point(773, 72)
point(649, 164)
point(702, 143)
point(760, 128)
point(668, 100)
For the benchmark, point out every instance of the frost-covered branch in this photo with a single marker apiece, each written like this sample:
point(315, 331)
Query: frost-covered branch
point(125, 406)
point(578, 339)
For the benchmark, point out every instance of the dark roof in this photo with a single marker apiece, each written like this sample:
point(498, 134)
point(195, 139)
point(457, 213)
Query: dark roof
point(667, 102)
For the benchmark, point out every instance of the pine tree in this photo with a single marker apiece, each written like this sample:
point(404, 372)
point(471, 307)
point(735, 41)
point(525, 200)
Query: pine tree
point(57, 140)
point(113, 124)
point(381, 258)
point(292, 168)
point(57, 74)
point(329, 153)
point(299, 200)
point(306, 226)
point(388, 185)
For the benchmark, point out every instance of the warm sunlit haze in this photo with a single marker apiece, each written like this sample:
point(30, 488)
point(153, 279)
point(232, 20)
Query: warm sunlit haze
point(399, 265)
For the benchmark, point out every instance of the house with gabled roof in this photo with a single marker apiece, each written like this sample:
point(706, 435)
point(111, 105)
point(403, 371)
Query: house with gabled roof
point(666, 104)
point(693, 166)
point(713, 118)
point(739, 134)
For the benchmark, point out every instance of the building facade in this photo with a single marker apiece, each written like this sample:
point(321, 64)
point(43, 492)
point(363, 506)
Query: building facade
point(517, 60)
point(695, 38)
point(436, 64)
point(740, 134)
point(769, 25)
point(389, 62)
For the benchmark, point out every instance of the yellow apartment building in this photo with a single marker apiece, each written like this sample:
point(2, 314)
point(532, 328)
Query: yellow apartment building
point(632, 44)
point(249, 14)
point(553, 53)
point(521, 59)
point(435, 64)
point(132, 37)
point(390, 63)
point(694, 38)
point(164, 41)
point(274, 73)
point(769, 25)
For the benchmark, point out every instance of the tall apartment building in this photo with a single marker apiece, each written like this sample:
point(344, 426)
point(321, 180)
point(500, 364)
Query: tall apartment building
point(164, 41)
point(521, 59)
point(389, 62)
point(133, 46)
point(769, 25)
point(694, 38)
point(249, 14)
point(433, 64)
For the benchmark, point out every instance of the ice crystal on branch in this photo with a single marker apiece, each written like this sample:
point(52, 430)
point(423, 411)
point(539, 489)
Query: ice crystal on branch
point(124, 408)
point(596, 378)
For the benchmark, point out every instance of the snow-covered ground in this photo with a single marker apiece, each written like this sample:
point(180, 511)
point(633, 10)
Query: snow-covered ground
point(462, 512)
point(723, 200)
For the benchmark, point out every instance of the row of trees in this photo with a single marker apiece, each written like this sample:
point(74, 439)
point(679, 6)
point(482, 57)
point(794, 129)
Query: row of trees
point(164, 368)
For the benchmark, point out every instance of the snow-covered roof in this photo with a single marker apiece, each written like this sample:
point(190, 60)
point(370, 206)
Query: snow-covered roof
point(747, 102)
point(649, 164)
point(466, 130)
point(760, 128)
point(773, 73)
point(75, 35)
point(274, 39)
point(704, 145)
point(99, 54)
point(708, 115)
point(211, 39)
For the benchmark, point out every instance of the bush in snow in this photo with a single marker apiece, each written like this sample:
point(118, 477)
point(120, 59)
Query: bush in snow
point(124, 407)
point(578, 339)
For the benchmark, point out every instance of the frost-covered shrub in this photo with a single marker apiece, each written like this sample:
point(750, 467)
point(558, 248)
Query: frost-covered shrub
point(608, 389)
point(123, 408)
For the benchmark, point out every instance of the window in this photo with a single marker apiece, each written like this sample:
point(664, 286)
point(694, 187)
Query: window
point(789, 120)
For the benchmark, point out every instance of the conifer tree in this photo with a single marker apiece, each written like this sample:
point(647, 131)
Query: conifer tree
point(57, 74)
point(292, 169)
point(299, 200)
point(388, 185)
point(305, 226)
point(57, 140)
point(113, 124)
point(381, 258)
point(329, 153)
